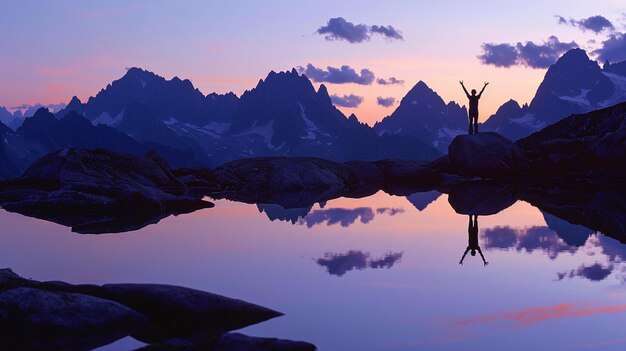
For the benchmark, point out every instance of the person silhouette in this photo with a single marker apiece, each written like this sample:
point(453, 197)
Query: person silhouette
point(473, 107)
point(472, 240)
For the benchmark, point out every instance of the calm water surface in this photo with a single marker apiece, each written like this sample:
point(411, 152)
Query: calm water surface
point(377, 273)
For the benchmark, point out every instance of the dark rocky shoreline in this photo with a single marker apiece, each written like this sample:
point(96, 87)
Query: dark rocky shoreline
point(56, 315)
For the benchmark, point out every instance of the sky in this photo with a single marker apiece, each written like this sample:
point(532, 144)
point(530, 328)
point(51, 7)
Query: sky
point(53, 50)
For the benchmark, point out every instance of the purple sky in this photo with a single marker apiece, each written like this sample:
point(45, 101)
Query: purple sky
point(54, 50)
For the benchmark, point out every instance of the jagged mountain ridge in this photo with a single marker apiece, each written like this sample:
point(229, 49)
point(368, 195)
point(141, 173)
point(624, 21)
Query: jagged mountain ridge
point(282, 116)
point(43, 133)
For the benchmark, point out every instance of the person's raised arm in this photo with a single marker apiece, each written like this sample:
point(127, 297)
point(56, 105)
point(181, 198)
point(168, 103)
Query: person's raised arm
point(483, 257)
point(465, 90)
point(463, 257)
point(483, 89)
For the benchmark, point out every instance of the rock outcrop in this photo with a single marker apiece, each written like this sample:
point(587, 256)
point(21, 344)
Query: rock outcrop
point(55, 315)
point(99, 191)
point(591, 145)
point(487, 155)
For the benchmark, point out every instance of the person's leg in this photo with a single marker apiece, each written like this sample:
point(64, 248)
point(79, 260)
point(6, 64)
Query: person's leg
point(476, 124)
point(471, 129)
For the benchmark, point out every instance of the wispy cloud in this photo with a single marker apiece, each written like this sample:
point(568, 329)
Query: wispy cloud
point(339, 29)
point(534, 315)
point(390, 81)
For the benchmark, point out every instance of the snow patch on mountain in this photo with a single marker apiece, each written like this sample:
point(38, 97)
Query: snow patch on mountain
point(620, 89)
point(529, 120)
point(106, 119)
point(580, 99)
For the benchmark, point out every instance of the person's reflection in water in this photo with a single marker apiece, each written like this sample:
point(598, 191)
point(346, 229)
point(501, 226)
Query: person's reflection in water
point(472, 240)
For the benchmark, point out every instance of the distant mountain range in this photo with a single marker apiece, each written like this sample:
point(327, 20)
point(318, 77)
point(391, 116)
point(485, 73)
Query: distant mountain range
point(285, 116)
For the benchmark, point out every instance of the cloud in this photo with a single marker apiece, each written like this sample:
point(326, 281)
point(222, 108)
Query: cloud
point(339, 29)
point(385, 101)
point(561, 19)
point(347, 100)
point(388, 32)
point(339, 264)
point(499, 55)
point(342, 75)
point(542, 55)
point(595, 272)
point(344, 216)
point(537, 238)
point(536, 315)
point(612, 49)
point(390, 81)
point(595, 24)
point(530, 54)
point(392, 211)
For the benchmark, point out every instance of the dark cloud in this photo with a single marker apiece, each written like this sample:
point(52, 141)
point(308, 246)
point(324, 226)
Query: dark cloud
point(596, 272)
point(339, 264)
point(392, 211)
point(390, 81)
point(499, 55)
point(530, 54)
point(613, 49)
point(385, 101)
point(387, 31)
point(342, 75)
point(595, 24)
point(340, 29)
point(346, 100)
point(542, 55)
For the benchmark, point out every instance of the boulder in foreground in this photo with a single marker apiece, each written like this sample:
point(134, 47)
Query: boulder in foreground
point(486, 155)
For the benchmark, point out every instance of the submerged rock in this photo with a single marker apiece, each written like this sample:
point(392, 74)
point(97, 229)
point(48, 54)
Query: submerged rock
point(486, 155)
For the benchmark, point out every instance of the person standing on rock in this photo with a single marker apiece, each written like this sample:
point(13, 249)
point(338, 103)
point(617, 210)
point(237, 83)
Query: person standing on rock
point(472, 240)
point(473, 107)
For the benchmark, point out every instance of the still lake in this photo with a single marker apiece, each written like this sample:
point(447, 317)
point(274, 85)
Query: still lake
point(376, 273)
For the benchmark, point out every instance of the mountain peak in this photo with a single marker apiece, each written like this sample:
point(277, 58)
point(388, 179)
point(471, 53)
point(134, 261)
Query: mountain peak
point(75, 100)
point(576, 55)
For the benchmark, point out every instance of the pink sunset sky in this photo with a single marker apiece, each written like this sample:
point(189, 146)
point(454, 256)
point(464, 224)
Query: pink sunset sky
point(55, 50)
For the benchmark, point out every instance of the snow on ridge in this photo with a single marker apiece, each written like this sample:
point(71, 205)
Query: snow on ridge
point(580, 99)
point(311, 128)
point(106, 119)
point(529, 120)
point(620, 89)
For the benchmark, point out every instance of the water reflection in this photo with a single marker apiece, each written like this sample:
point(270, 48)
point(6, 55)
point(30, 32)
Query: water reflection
point(595, 272)
point(531, 239)
point(421, 200)
point(472, 240)
point(277, 212)
point(344, 216)
point(339, 264)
